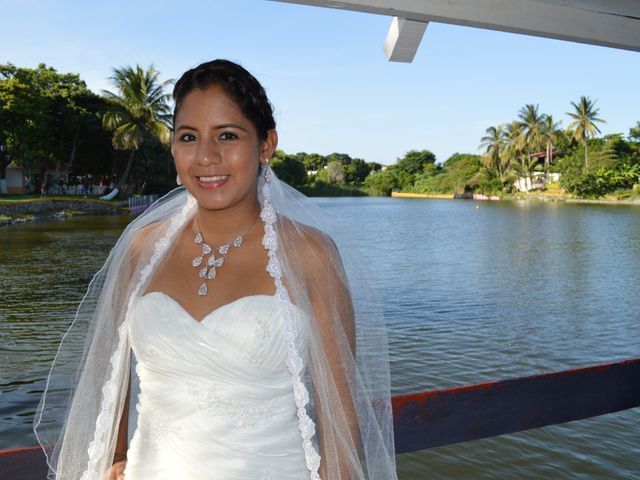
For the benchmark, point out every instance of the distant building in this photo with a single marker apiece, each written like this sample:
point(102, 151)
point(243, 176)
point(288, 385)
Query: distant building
point(537, 181)
point(14, 181)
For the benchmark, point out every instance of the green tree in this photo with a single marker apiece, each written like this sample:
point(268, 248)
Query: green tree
point(335, 172)
point(493, 143)
point(138, 111)
point(584, 125)
point(513, 152)
point(46, 116)
point(530, 122)
point(356, 171)
point(289, 168)
point(343, 158)
point(459, 174)
point(634, 132)
point(423, 179)
point(312, 161)
point(24, 122)
point(415, 161)
point(383, 181)
point(374, 166)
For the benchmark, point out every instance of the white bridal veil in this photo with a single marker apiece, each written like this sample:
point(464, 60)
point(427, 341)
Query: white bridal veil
point(343, 398)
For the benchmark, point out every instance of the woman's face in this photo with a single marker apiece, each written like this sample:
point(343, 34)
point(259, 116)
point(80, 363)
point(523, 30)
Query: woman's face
point(217, 151)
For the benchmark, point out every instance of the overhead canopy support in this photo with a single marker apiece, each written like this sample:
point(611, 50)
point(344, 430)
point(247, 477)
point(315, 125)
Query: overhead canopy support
point(609, 23)
point(403, 39)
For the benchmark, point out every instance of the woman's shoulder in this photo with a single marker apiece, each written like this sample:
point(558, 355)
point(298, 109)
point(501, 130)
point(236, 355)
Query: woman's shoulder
point(145, 234)
point(306, 239)
point(144, 237)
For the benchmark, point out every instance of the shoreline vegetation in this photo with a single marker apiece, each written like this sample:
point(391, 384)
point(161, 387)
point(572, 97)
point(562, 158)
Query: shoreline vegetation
point(56, 133)
point(21, 210)
point(529, 158)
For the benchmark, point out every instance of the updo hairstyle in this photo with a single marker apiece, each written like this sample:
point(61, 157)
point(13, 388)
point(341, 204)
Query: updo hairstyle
point(237, 83)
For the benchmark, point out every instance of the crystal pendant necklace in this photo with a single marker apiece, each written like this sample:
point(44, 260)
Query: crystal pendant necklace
point(208, 266)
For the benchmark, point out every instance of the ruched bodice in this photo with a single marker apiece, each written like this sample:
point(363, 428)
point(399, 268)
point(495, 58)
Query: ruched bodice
point(216, 399)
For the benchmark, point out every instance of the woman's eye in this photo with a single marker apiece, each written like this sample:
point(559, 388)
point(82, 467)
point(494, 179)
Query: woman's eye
point(228, 136)
point(187, 137)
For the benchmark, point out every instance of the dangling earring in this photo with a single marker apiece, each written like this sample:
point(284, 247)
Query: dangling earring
point(178, 181)
point(266, 170)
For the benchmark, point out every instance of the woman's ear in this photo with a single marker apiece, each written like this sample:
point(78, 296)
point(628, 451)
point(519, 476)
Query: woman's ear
point(269, 145)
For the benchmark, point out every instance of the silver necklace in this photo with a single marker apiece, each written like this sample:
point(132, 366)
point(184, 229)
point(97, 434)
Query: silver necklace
point(207, 270)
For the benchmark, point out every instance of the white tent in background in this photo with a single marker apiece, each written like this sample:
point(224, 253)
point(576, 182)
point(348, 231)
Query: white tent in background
point(111, 195)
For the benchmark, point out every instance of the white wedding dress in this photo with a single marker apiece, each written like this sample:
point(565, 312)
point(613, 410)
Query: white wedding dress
point(216, 399)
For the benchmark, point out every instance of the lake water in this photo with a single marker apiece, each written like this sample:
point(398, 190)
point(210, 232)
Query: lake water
point(470, 294)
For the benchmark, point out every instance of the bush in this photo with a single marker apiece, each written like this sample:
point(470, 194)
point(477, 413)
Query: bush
point(601, 182)
point(492, 186)
point(322, 189)
point(382, 182)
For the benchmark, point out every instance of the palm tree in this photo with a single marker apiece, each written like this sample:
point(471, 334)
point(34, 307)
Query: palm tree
point(493, 143)
point(634, 132)
point(549, 133)
point(530, 121)
point(583, 126)
point(140, 110)
point(515, 152)
point(512, 150)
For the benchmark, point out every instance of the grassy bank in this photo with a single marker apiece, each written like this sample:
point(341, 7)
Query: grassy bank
point(326, 190)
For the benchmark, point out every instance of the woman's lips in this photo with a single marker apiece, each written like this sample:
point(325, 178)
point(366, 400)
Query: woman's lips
point(213, 181)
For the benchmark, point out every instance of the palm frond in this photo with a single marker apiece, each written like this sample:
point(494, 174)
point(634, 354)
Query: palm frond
point(139, 108)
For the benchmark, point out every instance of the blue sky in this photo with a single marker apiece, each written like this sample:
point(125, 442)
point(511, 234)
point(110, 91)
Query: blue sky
point(325, 71)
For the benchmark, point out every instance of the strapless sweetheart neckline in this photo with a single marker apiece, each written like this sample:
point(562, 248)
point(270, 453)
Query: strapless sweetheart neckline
point(212, 312)
point(215, 400)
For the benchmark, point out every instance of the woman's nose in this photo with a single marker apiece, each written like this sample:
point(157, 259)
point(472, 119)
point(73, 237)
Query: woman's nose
point(209, 152)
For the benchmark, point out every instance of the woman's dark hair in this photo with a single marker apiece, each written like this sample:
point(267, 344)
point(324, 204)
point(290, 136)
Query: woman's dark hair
point(236, 82)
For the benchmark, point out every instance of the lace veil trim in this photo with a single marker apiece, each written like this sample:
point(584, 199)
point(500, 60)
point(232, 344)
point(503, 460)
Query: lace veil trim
point(294, 362)
point(109, 390)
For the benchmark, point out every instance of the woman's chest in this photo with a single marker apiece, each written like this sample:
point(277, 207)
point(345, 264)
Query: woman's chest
point(246, 333)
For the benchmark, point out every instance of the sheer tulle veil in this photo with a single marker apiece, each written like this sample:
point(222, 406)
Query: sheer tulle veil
point(342, 394)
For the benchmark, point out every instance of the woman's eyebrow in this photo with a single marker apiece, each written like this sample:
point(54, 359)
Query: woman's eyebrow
point(231, 125)
point(224, 125)
point(185, 127)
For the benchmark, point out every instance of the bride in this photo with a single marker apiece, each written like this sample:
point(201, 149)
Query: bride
point(223, 338)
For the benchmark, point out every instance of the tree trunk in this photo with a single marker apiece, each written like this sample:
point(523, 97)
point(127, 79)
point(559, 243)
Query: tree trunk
point(547, 160)
point(127, 169)
point(4, 162)
point(586, 156)
point(72, 157)
point(74, 149)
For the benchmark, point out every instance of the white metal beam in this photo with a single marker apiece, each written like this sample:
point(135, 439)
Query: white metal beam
point(403, 39)
point(609, 23)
